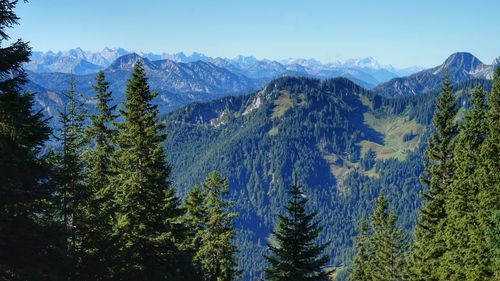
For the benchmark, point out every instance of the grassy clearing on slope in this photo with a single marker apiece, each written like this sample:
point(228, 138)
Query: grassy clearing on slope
point(274, 131)
point(365, 101)
point(394, 130)
point(282, 104)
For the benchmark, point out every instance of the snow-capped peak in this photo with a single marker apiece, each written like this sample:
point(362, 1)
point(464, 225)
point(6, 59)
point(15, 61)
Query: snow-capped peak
point(368, 62)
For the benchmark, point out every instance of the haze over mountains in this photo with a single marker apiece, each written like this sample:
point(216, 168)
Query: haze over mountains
point(80, 62)
point(180, 79)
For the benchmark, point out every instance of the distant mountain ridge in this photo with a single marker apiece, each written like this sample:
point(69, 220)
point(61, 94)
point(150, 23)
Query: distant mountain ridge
point(181, 83)
point(459, 67)
point(177, 84)
point(367, 71)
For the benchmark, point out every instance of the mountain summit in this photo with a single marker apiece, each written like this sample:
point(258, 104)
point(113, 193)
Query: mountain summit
point(459, 67)
point(127, 62)
point(462, 66)
point(462, 60)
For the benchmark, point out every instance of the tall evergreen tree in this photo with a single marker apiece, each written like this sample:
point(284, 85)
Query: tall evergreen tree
point(148, 213)
point(387, 244)
point(216, 253)
point(295, 253)
point(23, 246)
point(360, 267)
point(489, 180)
point(464, 257)
point(98, 213)
point(72, 194)
point(428, 247)
point(196, 222)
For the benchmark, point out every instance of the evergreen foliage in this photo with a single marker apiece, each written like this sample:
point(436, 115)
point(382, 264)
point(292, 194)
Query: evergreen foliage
point(428, 247)
point(368, 160)
point(489, 182)
point(99, 212)
point(295, 252)
point(387, 244)
point(72, 194)
point(27, 248)
point(113, 214)
point(360, 266)
point(147, 228)
point(380, 247)
point(196, 221)
point(214, 248)
point(463, 259)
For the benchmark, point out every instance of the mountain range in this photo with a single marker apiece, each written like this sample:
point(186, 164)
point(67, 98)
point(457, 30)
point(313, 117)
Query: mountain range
point(181, 80)
point(177, 84)
point(80, 62)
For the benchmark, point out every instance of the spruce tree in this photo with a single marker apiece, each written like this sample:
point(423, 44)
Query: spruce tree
point(464, 259)
point(24, 242)
point(147, 209)
point(428, 246)
point(216, 253)
point(489, 180)
point(360, 267)
point(295, 252)
point(72, 195)
point(196, 221)
point(387, 244)
point(98, 214)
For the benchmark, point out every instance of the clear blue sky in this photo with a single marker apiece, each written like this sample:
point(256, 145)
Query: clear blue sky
point(398, 32)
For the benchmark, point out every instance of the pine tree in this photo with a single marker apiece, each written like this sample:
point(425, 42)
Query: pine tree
point(428, 247)
point(147, 209)
point(386, 243)
point(295, 253)
point(24, 242)
point(72, 195)
point(463, 259)
point(489, 180)
point(360, 267)
point(98, 215)
point(216, 253)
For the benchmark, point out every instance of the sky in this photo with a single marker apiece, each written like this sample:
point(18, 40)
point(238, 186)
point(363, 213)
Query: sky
point(398, 32)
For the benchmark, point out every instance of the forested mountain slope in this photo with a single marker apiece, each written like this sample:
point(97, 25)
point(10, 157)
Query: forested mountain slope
point(343, 142)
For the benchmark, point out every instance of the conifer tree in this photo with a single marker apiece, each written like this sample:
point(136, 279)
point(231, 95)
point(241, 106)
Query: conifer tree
point(295, 252)
point(360, 268)
point(489, 180)
point(196, 222)
point(463, 259)
point(24, 245)
point(147, 226)
point(216, 253)
point(386, 243)
point(71, 191)
point(98, 213)
point(428, 246)
point(368, 160)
